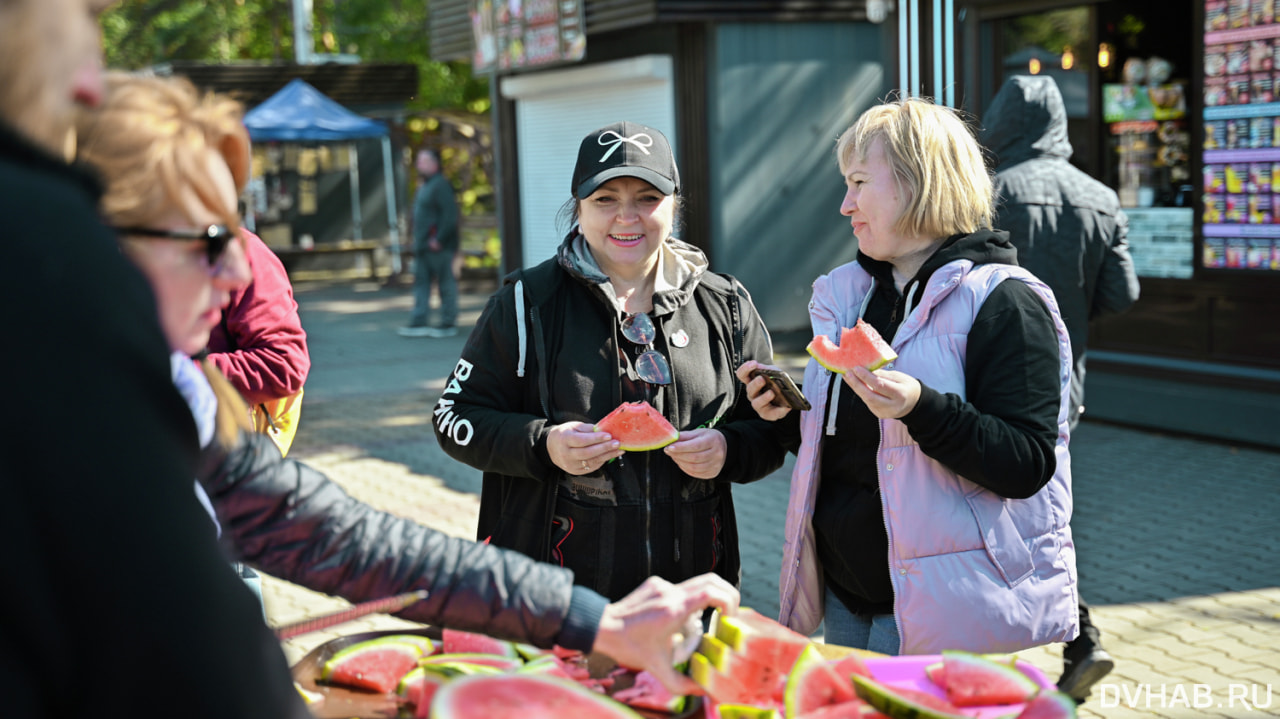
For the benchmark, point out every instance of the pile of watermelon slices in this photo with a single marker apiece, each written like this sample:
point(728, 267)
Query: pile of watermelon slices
point(754, 668)
point(468, 676)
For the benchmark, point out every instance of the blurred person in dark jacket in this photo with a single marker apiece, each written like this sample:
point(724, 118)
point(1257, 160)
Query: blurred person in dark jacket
point(435, 245)
point(158, 142)
point(98, 452)
point(1070, 232)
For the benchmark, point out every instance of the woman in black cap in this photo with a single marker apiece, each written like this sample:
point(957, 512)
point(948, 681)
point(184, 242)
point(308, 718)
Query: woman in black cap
point(624, 312)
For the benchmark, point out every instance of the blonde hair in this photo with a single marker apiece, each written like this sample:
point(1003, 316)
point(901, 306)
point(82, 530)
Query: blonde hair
point(934, 155)
point(149, 140)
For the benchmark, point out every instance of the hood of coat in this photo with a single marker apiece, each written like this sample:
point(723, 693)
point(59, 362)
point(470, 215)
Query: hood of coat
point(1026, 119)
point(680, 266)
point(981, 248)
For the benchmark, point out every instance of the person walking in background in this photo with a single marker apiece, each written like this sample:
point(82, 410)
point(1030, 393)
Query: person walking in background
point(1070, 232)
point(435, 244)
point(98, 453)
point(260, 346)
point(930, 500)
point(625, 312)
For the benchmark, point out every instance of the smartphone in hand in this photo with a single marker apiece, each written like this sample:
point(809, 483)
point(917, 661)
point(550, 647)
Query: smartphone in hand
point(785, 391)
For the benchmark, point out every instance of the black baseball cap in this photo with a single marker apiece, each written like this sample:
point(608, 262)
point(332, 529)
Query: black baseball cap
point(625, 149)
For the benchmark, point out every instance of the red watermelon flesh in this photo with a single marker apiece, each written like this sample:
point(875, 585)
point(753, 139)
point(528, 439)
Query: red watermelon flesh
point(860, 346)
point(851, 665)
point(1049, 704)
point(638, 427)
point(724, 688)
point(975, 680)
point(756, 678)
point(813, 683)
point(375, 664)
point(760, 638)
point(529, 696)
point(453, 641)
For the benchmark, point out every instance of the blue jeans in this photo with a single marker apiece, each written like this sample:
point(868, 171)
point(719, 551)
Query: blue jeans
point(434, 268)
point(876, 633)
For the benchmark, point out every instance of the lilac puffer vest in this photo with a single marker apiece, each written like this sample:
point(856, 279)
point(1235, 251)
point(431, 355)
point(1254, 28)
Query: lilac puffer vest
point(970, 569)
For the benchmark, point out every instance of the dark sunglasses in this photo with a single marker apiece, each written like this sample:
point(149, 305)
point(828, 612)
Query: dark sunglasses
point(650, 366)
point(215, 237)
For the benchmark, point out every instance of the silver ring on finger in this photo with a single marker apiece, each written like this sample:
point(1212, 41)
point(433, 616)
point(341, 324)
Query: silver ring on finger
point(584, 464)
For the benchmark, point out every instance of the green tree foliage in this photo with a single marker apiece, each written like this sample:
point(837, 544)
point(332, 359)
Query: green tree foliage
point(146, 33)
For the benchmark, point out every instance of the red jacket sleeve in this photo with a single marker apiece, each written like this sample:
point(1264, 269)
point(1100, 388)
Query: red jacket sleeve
point(260, 345)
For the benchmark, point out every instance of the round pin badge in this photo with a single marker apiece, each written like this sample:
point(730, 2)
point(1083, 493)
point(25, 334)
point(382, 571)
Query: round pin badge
point(680, 339)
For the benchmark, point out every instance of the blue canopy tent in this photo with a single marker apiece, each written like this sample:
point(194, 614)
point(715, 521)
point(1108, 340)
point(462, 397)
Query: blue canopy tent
point(301, 113)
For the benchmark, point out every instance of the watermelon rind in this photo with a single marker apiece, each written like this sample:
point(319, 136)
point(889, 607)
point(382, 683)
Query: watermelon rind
point(813, 683)
point(1049, 704)
point(746, 711)
point(976, 680)
point(860, 346)
point(471, 663)
point(308, 696)
point(886, 700)
point(455, 641)
point(335, 669)
point(638, 427)
point(529, 696)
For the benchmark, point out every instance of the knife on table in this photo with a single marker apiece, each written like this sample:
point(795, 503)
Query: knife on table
point(387, 605)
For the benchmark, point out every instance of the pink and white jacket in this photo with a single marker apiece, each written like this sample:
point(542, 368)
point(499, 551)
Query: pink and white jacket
point(970, 569)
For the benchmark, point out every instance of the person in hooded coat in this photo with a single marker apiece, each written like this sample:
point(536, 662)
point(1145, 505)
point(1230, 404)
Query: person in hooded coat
point(1070, 232)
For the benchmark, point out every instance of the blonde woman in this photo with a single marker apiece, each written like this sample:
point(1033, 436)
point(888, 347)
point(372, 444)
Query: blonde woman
point(174, 161)
point(930, 499)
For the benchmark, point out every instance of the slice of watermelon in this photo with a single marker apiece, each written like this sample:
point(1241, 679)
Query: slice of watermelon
point(528, 696)
point(377, 664)
point(1049, 704)
point(465, 662)
point(975, 680)
point(724, 688)
point(638, 427)
point(760, 638)
point(813, 683)
point(751, 681)
point(453, 641)
point(860, 346)
point(902, 701)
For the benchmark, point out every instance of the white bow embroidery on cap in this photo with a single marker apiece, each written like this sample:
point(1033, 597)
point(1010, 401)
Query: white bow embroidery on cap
point(641, 140)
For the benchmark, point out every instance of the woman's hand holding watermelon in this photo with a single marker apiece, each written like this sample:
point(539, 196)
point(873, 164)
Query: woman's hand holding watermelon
point(699, 453)
point(640, 631)
point(762, 399)
point(577, 448)
point(889, 394)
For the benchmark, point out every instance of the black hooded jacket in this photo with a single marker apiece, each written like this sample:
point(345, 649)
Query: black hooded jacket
point(1068, 227)
point(547, 351)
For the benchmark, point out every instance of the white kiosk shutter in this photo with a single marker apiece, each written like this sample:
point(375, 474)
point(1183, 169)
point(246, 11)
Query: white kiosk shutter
point(556, 109)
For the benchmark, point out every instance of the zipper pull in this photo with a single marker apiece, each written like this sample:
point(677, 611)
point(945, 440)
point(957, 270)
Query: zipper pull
point(677, 547)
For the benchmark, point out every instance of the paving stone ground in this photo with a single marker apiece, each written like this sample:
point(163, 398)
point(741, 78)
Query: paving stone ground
point(1177, 537)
